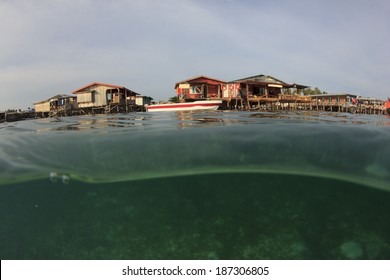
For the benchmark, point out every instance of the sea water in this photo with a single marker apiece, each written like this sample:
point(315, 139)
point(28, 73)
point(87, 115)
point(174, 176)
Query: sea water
point(196, 185)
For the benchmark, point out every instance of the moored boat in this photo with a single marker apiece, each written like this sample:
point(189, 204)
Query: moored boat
point(196, 105)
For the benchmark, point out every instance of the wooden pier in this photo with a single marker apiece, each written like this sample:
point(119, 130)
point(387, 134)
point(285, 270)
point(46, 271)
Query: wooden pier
point(307, 103)
point(281, 103)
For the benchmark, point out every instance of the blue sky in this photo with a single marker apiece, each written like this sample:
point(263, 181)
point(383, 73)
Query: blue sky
point(50, 47)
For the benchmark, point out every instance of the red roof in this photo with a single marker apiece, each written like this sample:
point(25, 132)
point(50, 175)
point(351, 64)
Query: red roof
point(201, 79)
point(97, 84)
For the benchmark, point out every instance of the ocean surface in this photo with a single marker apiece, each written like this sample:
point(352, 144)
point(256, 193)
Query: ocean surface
point(196, 185)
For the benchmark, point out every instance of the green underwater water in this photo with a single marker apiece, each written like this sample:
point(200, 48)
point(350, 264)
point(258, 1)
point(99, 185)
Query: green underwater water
point(206, 185)
point(220, 216)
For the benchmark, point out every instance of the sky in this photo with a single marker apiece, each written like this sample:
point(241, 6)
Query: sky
point(50, 47)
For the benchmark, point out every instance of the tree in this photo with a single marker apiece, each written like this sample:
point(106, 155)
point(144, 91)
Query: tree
point(310, 91)
point(174, 99)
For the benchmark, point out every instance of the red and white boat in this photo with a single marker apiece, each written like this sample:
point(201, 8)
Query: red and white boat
point(185, 106)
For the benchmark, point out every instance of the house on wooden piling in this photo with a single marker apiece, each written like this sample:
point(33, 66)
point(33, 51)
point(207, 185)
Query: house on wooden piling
point(249, 92)
point(346, 102)
point(142, 100)
point(199, 87)
point(104, 97)
point(334, 99)
point(55, 104)
point(263, 92)
point(263, 86)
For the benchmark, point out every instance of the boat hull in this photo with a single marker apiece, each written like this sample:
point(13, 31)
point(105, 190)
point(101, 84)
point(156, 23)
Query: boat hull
point(187, 106)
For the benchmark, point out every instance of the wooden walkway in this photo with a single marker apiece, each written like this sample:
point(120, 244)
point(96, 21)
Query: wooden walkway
point(253, 103)
point(293, 102)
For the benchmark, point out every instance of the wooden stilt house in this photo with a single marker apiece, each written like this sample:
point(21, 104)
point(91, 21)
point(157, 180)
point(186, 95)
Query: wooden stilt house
point(258, 86)
point(97, 95)
point(60, 102)
point(199, 87)
point(333, 99)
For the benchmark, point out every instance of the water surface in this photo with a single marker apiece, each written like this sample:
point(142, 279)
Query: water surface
point(208, 185)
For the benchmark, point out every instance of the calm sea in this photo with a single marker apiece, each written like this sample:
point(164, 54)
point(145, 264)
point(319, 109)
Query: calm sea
point(208, 185)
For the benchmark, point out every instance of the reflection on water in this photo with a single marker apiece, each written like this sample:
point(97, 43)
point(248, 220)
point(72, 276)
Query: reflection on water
point(89, 122)
point(111, 148)
point(189, 119)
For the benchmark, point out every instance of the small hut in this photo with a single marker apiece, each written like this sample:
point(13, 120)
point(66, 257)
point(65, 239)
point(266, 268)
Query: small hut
point(142, 100)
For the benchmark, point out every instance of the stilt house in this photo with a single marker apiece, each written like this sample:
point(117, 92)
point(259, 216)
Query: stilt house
point(142, 100)
point(258, 86)
point(334, 99)
point(199, 87)
point(100, 95)
point(57, 102)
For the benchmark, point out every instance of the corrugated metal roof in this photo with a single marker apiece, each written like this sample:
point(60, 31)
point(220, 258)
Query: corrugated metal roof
point(333, 94)
point(56, 97)
point(103, 84)
point(262, 79)
point(96, 84)
point(266, 79)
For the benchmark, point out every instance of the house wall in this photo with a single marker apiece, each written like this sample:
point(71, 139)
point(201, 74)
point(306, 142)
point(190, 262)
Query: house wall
point(230, 90)
point(73, 103)
point(139, 101)
point(42, 106)
point(98, 97)
point(116, 98)
point(199, 88)
point(66, 103)
point(212, 91)
point(333, 99)
point(196, 90)
point(183, 90)
point(142, 100)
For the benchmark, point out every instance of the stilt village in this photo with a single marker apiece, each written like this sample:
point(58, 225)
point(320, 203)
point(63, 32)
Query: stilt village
point(255, 93)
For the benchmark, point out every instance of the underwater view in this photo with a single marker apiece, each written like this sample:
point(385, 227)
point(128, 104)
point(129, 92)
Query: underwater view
point(205, 185)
